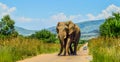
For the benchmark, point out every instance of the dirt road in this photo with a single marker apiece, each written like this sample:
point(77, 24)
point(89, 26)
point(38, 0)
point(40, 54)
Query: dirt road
point(81, 57)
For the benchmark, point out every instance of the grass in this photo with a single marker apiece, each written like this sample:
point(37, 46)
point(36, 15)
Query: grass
point(14, 49)
point(105, 49)
point(20, 48)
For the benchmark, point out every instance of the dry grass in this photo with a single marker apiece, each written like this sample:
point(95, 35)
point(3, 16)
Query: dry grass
point(19, 48)
point(105, 49)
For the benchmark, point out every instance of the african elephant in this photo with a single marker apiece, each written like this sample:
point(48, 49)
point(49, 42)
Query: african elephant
point(73, 36)
point(62, 30)
point(68, 33)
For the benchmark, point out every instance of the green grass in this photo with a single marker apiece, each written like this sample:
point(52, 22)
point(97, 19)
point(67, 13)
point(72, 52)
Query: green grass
point(105, 49)
point(5, 54)
point(20, 48)
point(14, 49)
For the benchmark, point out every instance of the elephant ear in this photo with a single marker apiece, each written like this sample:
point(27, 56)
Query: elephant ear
point(57, 27)
point(58, 24)
point(74, 26)
point(71, 27)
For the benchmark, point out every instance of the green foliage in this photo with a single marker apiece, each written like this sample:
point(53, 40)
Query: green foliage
point(105, 49)
point(5, 54)
point(83, 41)
point(7, 26)
point(111, 27)
point(45, 35)
point(20, 48)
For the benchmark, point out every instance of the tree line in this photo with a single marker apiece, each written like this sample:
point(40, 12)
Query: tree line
point(7, 29)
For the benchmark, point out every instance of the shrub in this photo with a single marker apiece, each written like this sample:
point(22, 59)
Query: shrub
point(83, 41)
point(45, 35)
point(111, 27)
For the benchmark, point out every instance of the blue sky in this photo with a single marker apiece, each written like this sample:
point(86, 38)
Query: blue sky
point(40, 14)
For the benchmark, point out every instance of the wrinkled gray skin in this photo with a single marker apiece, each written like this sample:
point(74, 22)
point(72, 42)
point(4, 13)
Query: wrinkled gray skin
point(73, 37)
point(68, 33)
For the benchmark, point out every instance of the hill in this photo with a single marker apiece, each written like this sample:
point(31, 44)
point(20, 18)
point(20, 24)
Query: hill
point(89, 29)
point(23, 31)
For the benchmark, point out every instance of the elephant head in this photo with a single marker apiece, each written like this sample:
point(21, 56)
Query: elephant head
point(62, 30)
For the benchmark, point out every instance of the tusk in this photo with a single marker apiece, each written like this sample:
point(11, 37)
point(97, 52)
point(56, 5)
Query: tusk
point(64, 37)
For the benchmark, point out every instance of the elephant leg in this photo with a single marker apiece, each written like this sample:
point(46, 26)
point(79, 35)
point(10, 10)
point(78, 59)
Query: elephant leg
point(76, 41)
point(75, 49)
point(61, 49)
point(71, 50)
point(68, 45)
point(65, 47)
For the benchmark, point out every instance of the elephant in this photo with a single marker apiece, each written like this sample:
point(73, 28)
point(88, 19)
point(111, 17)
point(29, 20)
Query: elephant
point(62, 35)
point(73, 36)
point(68, 33)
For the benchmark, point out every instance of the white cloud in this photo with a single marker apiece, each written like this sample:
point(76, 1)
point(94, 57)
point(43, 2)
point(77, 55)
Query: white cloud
point(105, 13)
point(59, 17)
point(24, 19)
point(63, 17)
point(90, 16)
point(3, 6)
point(75, 18)
point(4, 9)
point(79, 18)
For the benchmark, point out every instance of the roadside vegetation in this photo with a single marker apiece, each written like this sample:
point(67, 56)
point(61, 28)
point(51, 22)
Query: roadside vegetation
point(14, 47)
point(106, 48)
point(18, 48)
point(44, 35)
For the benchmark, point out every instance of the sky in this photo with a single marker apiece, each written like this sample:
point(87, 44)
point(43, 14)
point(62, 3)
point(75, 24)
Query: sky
point(41, 14)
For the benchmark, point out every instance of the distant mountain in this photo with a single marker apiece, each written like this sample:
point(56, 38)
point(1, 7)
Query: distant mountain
point(89, 29)
point(23, 31)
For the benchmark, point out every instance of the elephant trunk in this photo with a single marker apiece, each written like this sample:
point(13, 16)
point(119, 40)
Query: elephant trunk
point(62, 35)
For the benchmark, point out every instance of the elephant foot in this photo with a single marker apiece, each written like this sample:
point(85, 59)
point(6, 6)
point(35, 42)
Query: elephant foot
point(59, 54)
point(74, 54)
point(69, 53)
point(64, 54)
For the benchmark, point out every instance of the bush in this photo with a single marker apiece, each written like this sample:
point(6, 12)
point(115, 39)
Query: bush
point(111, 27)
point(45, 35)
point(83, 41)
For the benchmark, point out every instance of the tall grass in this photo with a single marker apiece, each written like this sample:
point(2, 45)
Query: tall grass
point(105, 49)
point(19, 48)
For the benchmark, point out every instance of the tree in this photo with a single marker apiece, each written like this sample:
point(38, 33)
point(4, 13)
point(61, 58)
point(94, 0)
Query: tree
point(7, 26)
point(111, 27)
point(45, 35)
